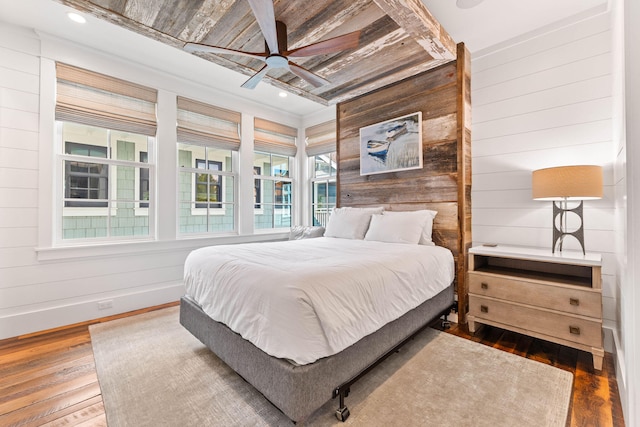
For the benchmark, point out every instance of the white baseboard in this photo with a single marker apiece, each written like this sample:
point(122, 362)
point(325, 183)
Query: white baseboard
point(68, 314)
point(621, 375)
point(609, 344)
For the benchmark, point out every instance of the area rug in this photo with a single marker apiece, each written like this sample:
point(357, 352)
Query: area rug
point(153, 372)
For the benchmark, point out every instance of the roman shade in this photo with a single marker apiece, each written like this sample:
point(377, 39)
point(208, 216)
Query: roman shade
point(321, 138)
point(95, 99)
point(272, 137)
point(205, 124)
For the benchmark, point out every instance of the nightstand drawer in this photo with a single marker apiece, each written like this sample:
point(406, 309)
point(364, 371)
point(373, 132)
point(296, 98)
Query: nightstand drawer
point(564, 326)
point(570, 299)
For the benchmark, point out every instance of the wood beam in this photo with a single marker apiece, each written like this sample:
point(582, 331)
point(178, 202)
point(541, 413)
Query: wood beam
point(415, 18)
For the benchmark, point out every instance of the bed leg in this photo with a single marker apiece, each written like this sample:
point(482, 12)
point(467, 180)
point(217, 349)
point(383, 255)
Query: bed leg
point(446, 324)
point(342, 413)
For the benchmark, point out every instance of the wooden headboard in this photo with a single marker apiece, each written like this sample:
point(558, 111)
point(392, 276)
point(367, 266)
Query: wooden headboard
point(444, 182)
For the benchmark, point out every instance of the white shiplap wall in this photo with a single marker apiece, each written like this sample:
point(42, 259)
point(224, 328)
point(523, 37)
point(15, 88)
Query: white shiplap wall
point(538, 103)
point(36, 295)
point(43, 287)
point(626, 15)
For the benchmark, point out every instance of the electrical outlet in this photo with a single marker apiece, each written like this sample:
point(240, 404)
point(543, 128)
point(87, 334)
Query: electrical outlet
point(103, 305)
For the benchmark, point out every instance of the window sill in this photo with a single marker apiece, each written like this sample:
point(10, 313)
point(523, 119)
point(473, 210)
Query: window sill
point(106, 249)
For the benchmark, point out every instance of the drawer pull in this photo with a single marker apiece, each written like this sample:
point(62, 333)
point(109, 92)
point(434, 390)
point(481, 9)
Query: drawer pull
point(484, 285)
point(575, 330)
point(484, 309)
point(574, 301)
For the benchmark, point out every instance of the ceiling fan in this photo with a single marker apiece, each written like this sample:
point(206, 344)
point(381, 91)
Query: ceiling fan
point(276, 55)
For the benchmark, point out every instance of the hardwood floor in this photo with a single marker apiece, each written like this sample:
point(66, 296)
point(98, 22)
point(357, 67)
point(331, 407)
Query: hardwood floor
point(50, 379)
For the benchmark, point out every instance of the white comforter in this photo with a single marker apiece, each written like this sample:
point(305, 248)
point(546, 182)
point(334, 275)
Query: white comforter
point(306, 299)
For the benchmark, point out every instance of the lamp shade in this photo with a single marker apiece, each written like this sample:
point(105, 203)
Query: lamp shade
point(568, 183)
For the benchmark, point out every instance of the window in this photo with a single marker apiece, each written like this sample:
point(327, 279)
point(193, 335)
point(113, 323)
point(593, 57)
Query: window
point(257, 194)
point(85, 181)
point(323, 188)
point(208, 187)
point(275, 147)
point(103, 182)
point(321, 149)
point(208, 141)
point(143, 187)
point(105, 153)
point(273, 200)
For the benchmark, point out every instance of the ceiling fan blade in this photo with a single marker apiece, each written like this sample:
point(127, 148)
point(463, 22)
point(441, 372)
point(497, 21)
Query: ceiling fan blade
point(255, 79)
point(307, 75)
point(197, 47)
point(335, 44)
point(265, 15)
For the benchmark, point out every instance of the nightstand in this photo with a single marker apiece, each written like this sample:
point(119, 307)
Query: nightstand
point(555, 297)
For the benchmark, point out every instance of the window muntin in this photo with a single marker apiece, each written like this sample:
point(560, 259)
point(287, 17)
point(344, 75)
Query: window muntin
point(272, 190)
point(323, 187)
point(207, 188)
point(100, 188)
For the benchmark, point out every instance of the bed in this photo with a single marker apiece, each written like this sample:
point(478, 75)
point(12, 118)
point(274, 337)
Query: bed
point(301, 319)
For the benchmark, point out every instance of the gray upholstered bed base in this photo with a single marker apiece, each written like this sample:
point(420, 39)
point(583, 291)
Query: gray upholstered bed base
point(299, 390)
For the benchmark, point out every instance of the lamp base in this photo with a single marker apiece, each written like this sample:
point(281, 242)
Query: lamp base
point(559, 213)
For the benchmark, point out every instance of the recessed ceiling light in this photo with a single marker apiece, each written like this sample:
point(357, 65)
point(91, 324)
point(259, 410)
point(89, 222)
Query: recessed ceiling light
point(283, 94)
point(76, 17)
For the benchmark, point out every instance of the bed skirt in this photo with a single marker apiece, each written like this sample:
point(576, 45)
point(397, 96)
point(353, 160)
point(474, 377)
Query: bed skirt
point(298, 390)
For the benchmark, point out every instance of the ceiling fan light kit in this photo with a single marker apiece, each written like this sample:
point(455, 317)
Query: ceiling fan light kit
point(276, 55)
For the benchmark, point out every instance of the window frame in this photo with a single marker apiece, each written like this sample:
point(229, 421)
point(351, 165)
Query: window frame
point(328, 180)
point(275, 178)
point(219, 185)
point(111, 209)
point(143, 205)
point(257, 188)
point(207, 209)
point(86, 202)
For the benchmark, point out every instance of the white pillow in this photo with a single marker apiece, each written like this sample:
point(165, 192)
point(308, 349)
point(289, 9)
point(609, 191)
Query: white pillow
point(396, 228)
point(350, 223)
point(425, 238)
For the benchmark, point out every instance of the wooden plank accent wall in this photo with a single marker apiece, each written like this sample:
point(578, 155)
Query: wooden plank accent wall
point(463, 64)
point(444, 182)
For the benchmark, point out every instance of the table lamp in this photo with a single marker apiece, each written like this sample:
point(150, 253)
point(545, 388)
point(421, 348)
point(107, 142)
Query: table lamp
point(564, 184)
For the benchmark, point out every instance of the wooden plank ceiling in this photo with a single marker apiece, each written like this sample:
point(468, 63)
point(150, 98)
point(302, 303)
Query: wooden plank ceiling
point(398, 39)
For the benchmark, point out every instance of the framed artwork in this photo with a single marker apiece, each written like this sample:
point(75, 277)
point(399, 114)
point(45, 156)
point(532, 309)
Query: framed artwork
point(391, 146)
